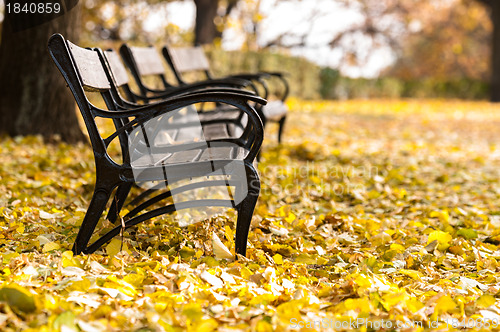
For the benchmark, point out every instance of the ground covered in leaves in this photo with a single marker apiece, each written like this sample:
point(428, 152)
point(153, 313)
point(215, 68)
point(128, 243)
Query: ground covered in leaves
point(374, 215)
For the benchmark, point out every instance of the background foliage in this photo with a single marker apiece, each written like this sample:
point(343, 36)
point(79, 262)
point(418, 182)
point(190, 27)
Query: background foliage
point(310, 81)
point(441, 48)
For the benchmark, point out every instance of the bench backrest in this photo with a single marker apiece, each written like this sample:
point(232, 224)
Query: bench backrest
point(119, 75)
point(83, 71)
point(143, 62)
point(118, 70)
point(148, 61)
point(89, 68)
point(186, 59)
point(189, 58)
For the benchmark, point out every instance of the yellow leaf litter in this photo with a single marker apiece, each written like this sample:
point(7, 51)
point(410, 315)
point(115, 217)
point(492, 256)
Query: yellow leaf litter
point(372, 212)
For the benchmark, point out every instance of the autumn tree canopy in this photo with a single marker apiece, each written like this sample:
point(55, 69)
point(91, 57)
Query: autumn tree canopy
point(436, 39)
point(452, 44)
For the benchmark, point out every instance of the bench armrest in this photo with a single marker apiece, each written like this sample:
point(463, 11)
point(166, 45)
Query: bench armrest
point(147, 112)
point(171, 104)
point(200, 88)
point(276, 73)
point(246, 76)
point(262, 76)
point(281, 77)
point(162, 95)
point(226, 81)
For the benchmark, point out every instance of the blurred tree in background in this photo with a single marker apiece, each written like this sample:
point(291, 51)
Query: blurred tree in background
point(33, 94)
point(440, 40)
point(451, 45)
point(126, 20)
point(494, 8)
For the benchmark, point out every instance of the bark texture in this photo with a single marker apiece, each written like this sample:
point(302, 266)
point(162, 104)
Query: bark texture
point(34, 99)
point(205, 28)
point(495, 54)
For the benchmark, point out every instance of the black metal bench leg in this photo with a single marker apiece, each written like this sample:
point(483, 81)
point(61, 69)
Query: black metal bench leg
point(280, 129)
point(94, 212)
point(245, 210)
point(118, 201)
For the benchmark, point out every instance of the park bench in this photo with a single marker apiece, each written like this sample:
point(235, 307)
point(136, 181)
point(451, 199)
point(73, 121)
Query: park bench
point(222, 123)
point(218, 124)
point(145, 63)
point(184, 60)
point(143, 160)
point(146, 94)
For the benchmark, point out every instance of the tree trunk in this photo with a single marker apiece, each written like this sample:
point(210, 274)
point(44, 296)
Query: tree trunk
point(205, 29)
point(34, 99)
point(495, 54)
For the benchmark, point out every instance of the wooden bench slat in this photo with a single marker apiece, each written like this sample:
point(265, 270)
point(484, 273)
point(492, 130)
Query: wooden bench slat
point(183, 60)
point(189, 59)
point(117, 68)
point(151, 63)
point(88, 64)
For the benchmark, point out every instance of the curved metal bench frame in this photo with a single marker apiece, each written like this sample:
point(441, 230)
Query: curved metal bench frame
point(82, 70)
